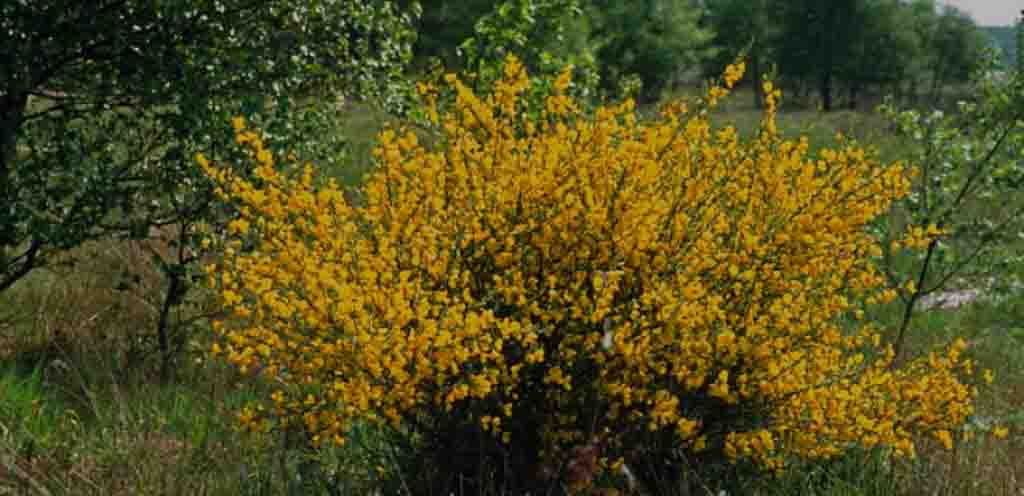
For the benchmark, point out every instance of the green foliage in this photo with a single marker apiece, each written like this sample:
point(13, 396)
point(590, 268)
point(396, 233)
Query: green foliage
point(968, 194)
point(956, 48)
point(533, 29)
point(467, 34)
point(877, 54)
point(741, 28)
point(946, 48)
point(656, 40)
point(850, 46)
point(824, 43)
point(1005, 40)
point(537, 29)
point(97, 124)
point(652, 41)
point(443, 25)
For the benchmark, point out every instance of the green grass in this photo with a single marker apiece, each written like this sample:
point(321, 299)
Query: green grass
point(360, 128)
point(77, 417)
point(821, 128)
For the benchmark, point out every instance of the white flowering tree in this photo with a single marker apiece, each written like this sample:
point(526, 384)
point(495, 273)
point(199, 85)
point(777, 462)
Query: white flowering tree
point(104, 102)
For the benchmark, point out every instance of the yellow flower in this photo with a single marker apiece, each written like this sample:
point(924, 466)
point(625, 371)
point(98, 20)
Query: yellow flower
point(239, 226)
point(647, 264)
point(564, 80)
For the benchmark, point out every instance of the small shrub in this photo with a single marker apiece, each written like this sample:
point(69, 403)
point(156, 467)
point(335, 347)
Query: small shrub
point(659, 292)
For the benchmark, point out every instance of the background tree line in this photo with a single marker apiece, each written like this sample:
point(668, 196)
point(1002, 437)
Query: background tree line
point(1007, 40)
point(836, 50)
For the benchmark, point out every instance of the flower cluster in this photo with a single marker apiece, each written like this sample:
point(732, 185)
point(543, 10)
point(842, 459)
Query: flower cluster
point(666, 274)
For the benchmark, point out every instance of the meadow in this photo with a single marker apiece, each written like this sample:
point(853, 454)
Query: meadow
point(83, 409)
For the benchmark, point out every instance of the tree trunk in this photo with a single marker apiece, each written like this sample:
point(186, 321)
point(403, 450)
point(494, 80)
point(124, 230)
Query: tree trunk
point(825, 90)
point(12, 267)
point(938, 78)
point(175, 288)
point(755, 57)
point(910, 94)
point(825, 74)
point(12, 112)
point(755, 75)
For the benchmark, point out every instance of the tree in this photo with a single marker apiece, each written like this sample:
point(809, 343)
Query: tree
point(963, 217)
point(448, 29)
point(1004, 38)
point(862, 43)
point(877, 55)
point(741, 27)
point(534, 30)
point(815, 38)
point(444, 25)
point(103, 103)
point(945, 46)
point(957, 47)
point(653, 39)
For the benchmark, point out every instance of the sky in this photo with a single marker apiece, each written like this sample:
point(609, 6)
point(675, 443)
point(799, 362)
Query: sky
point(990, 12)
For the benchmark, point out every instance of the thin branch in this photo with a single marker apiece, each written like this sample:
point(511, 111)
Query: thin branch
point(908, 308)
point(976, 252)
point(977, 173)
point(23, 264)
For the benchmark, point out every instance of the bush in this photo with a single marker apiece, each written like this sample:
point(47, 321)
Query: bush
point(529, 301)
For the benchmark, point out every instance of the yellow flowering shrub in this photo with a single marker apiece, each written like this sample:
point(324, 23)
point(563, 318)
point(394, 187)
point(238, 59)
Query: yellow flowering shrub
point(539, 283)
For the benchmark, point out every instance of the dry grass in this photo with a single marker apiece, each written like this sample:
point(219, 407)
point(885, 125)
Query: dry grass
point(87, 326)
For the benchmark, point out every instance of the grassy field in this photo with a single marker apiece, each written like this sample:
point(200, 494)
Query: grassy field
point(83, 412)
